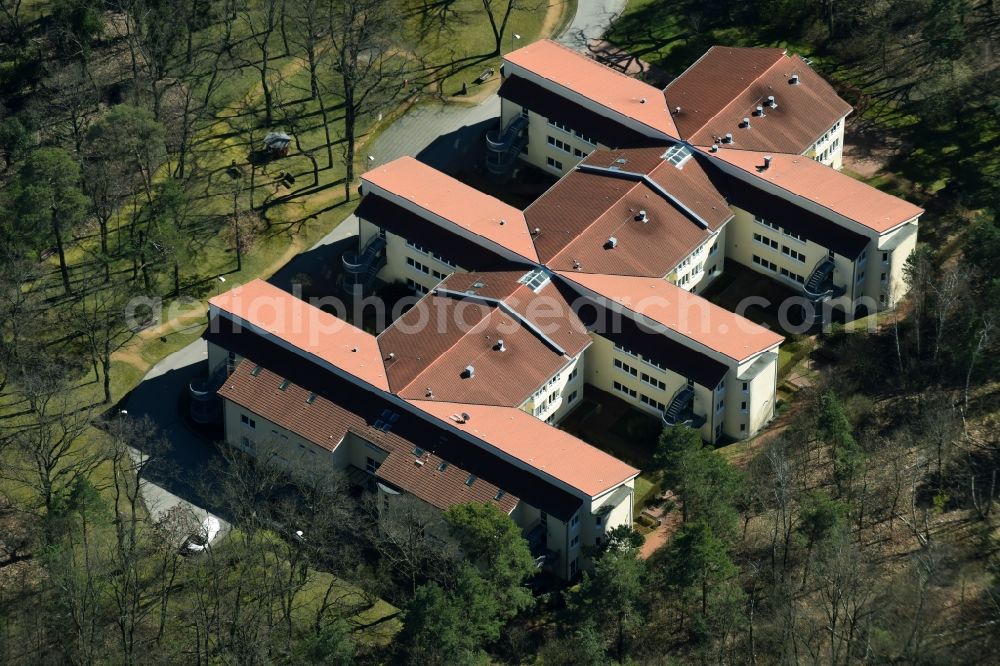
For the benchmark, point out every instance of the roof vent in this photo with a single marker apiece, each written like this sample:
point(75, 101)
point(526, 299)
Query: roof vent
point(391, 356)
point(714, 148)
point(536, 231)
point(728, 138)
point(745, 124)
point(500, 346)
point(466, 417)
point(418, 462)
point(771, 103)
point(576, 265)
point(469, 372)
point(767, 162)
point(794, 80)
point(612, 242)
point(428, 393)
point(642, 100)
point(760, 111)
point(642, 217)
point(677, 110)
point(502, 221)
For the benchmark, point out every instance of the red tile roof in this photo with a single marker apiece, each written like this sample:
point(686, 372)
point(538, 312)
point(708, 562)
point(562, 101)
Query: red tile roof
point(456, 202)
point(611, 89)
point(727, 84)
point(322, 336)
point(522, 436)
point(689, 315)
point(602, 198)
point(835, 191)
point(428, 349)
point(326, 423)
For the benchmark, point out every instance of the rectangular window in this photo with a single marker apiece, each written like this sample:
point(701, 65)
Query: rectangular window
point(625, 367)
point(794, 254)
point(575, 542)
point(554, 163)
point(653, 381)
point(743, 427)
point(535, 279)
point(422, 250)
point(764, 240)
point(370, 465)
point(570, 398)
point(247, 444)
point(743, 406)
point(578, 153)
point(416, 287)
point(621, 388)
point(560, 144)
point(719, 405)
point(884, 278)
point(885, 257)
point(746, 386)
point(248, 422)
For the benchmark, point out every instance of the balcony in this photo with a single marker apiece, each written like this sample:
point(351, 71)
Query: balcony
point(680, 411)
point(361, 268)
point(505, 145)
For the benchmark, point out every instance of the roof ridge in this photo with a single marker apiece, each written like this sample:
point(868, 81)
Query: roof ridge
point(737, 95)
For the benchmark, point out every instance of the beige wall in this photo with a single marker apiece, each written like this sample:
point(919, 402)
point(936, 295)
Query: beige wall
point(271, 443)
point(601, 372)
point(539, 150)
point(551, 402)
point(702, 266)
point(759, 375)
point(398, 256)
point(898, 245)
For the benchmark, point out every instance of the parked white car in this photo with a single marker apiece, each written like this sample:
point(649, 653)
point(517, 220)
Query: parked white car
point(198, 541)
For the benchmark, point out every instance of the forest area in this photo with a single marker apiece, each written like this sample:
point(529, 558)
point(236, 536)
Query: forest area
point(861, 530)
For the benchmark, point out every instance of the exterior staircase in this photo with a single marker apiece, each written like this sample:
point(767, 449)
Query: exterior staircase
point(820, 287)
point(680, 411)
point(361, 269)
point(505, 145)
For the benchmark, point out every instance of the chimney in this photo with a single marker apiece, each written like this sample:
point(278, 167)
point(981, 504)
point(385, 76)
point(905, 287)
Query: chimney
point(469, 372)
point(745, 123)
point(391, 356)
point(536, 231)
point(760, 111)
point(499, 346)
point(771, 103)
point(728, 138)
point(794, 80)
point(715, 148)
point(428, 393)
point(677, 110)
point(643, 217)
point(767, 162)
point(612, 242)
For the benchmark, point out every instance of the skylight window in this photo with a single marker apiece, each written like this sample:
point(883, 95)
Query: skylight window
point(535, 279)
point(442, 466)
point(386, 420)
point(311, 399)
point(499, 495)
point(417, 451)
point(256, 370)
point(283, 386)
point(469, 481)
point(677, 155)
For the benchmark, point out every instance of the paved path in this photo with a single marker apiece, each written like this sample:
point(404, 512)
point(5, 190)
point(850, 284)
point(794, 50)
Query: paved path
point(592, 20)
point(447, 137)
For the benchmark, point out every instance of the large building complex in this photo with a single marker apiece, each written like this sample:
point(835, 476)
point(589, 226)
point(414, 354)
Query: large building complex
point(594, 284)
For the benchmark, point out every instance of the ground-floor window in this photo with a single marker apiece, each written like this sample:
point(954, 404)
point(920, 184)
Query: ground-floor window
point(552, 162)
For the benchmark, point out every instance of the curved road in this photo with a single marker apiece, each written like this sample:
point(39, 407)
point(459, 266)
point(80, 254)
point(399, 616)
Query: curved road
point(444, 136)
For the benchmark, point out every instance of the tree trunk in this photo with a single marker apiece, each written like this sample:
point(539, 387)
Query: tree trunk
point(350, 122)
point(63, 269)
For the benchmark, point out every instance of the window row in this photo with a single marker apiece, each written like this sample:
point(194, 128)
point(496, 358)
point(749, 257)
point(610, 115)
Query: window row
point(771, 225)
point(565, 128)
point(642, 358)
point(422, 250)
point(424, 268)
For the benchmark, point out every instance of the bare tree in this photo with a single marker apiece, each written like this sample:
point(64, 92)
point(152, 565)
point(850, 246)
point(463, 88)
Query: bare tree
point(261, 20)
point(46, 453)
point(360, 55)
point(99, 316)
